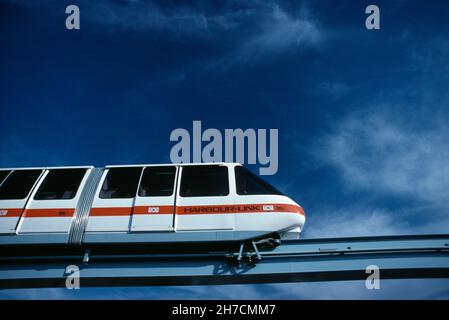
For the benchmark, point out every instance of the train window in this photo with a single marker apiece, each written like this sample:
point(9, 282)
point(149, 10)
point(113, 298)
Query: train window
point(157, 181)
point(60, 184)
point(120, 183)
point(249, 184)
point(3, 175)
point(204, 181)
point(18, 184)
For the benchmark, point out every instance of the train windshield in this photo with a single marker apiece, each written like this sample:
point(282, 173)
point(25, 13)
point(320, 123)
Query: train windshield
point(248, 183)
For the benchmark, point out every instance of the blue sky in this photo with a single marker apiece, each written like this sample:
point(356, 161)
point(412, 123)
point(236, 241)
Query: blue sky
point(362, 115)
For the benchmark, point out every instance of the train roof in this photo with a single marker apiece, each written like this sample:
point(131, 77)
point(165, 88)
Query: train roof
point(121, 166)
point(48, 168)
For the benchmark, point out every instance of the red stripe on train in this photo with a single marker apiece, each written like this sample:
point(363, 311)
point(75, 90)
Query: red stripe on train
point(9, 213)
point(49, 213)
point(184, 210)
point(111, 211)
point(127, 211)
point(239, 208)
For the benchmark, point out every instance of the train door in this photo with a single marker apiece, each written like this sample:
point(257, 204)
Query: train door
point(113, 203)
point(52, 205)
point(203, 201)
point(15, 190)
point(154, 207)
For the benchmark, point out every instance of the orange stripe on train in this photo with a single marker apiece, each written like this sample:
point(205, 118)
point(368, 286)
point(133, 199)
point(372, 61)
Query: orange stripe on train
point(184, 210)
point(239, 208)
point(8, 213)
point(127, 211)
point(207, 209)
point(112, 211)
point(49, 213)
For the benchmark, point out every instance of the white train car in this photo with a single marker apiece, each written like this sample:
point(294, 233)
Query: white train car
point(167, 203)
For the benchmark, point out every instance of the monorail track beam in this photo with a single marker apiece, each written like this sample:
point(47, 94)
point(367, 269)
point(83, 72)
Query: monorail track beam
point(424, 256)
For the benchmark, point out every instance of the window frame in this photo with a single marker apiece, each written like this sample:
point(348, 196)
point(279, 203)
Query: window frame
point(42, 184)
point(139, 190)
point(103, 181)
point(30, 190)
point(202, 196)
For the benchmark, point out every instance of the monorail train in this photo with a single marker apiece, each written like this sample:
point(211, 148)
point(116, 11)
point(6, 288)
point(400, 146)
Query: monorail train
point(169, 203)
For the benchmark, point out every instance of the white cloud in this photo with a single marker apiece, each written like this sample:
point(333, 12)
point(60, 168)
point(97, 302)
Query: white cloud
point(280, 32)
point(138, 15)
point(387, 155)
point(370, 221)
point(336, 290)
point(351, 222)
point(372, 151)
point(35, 294)
point(257, 29)
point(340, 290)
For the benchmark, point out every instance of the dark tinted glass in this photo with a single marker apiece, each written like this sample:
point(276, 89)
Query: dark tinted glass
point(157, 181)
point(60, 184)
point(18, 184)
point(3, 174)
point(120, 183)
point(204, 181)
point(249, 184)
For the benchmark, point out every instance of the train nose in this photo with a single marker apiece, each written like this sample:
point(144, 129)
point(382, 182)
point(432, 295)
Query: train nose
point(297, 221)
point(300, 216)
point(301, 211)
